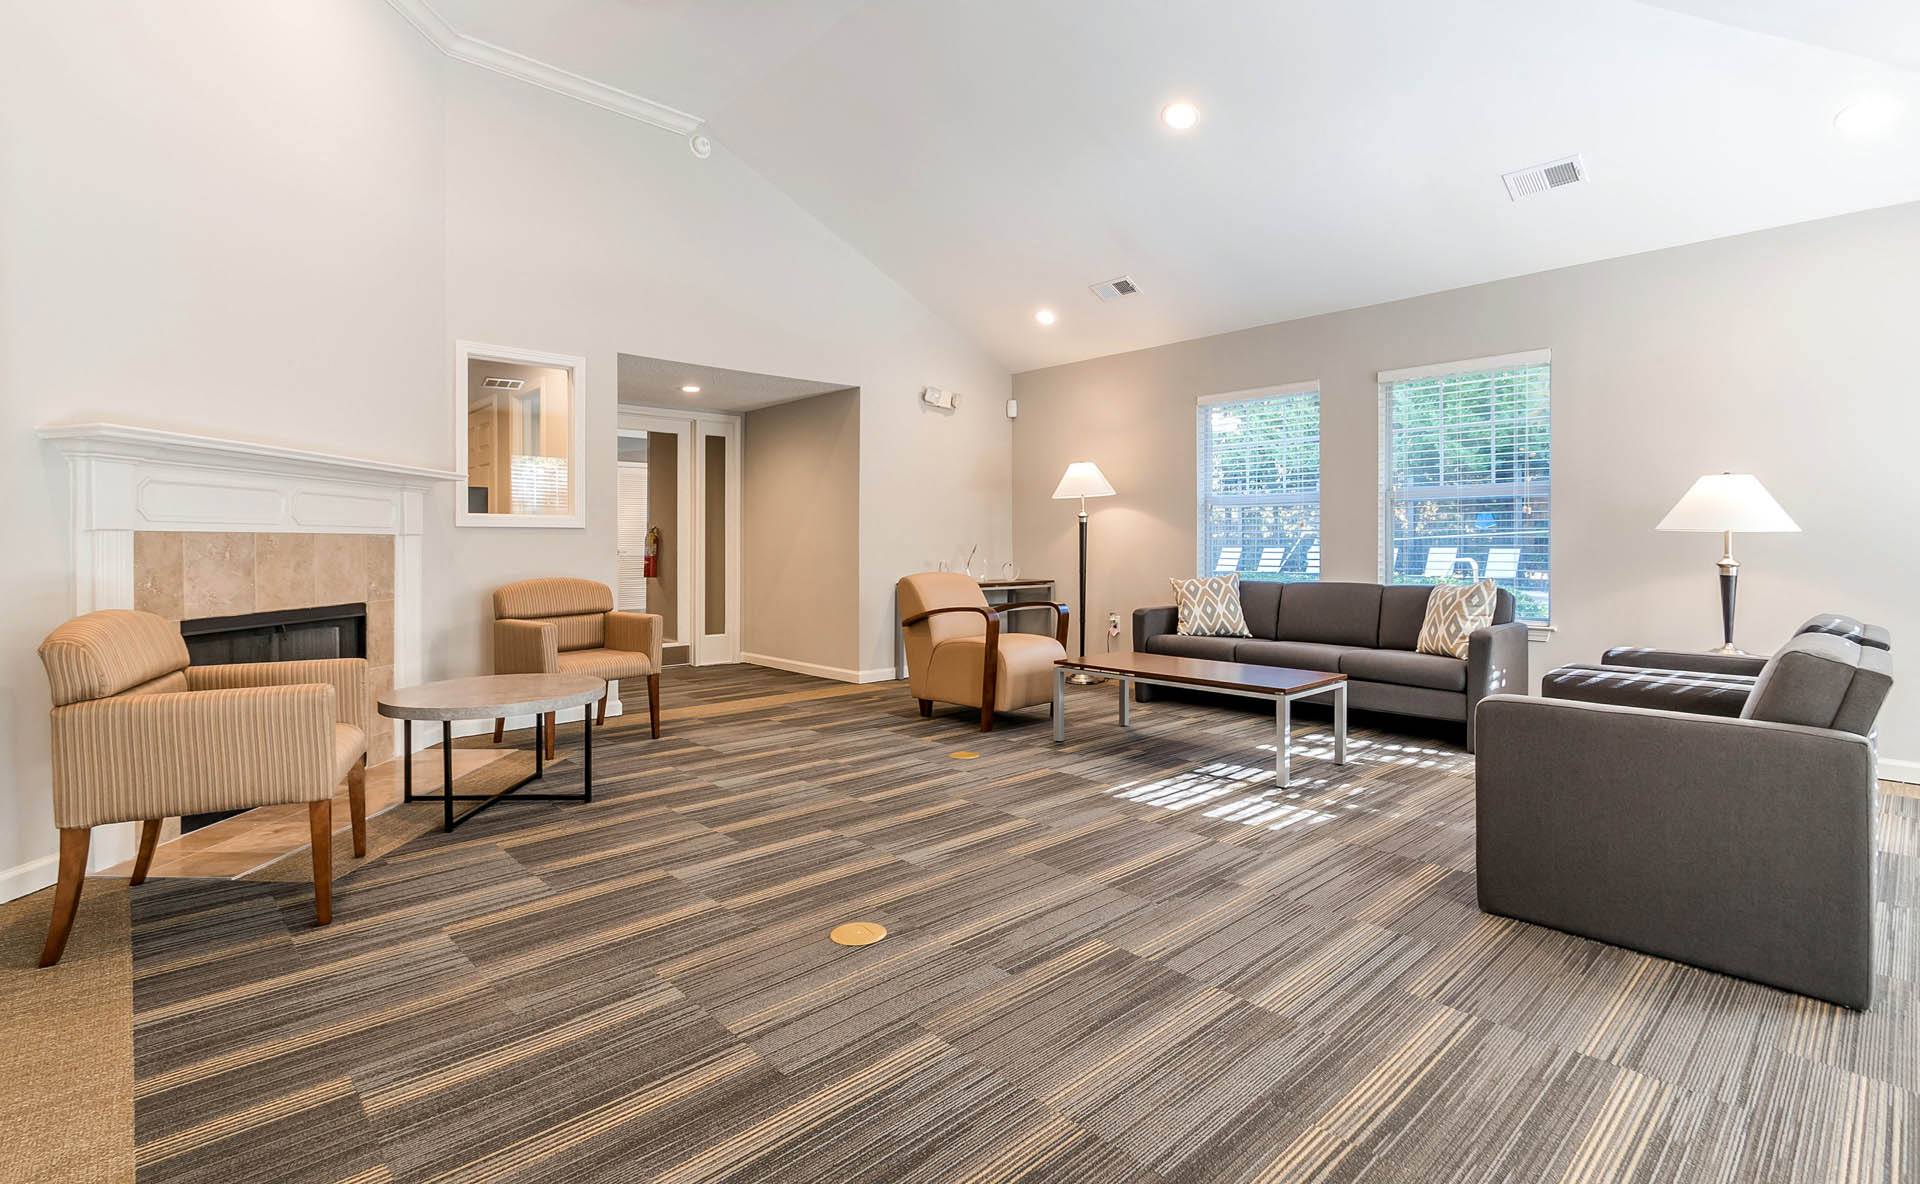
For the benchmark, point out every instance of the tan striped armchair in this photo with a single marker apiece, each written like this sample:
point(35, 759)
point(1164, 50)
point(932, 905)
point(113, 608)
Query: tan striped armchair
point(139, 735)
point(560, 625)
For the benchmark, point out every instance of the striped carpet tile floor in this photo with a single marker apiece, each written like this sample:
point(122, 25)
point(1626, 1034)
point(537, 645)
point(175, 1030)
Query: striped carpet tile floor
point(1126, 958)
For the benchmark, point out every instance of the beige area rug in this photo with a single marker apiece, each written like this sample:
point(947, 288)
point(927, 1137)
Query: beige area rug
point(393, 827)
point(66, 1041)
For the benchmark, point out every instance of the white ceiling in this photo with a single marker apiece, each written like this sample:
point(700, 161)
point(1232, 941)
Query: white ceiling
point(998, 155)
point(656, 382)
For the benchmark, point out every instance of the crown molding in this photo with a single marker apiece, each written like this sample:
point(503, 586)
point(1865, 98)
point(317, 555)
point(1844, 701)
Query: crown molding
point(460, 47)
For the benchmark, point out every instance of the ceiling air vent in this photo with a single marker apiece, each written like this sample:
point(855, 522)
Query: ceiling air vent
point(504, 384)
point(1115, 288)
point(1555, 174)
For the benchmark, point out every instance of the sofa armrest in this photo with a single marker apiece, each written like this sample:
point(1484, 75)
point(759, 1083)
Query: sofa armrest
point(1646, 658)
point(640, 633)
point(1153, 622)
point(1737, 845)
point(1496, 665)
point(525, 647)
point(134, 757)
point(347, 677)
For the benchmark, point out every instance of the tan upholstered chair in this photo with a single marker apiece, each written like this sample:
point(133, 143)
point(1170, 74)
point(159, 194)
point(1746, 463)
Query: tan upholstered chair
point(957, 651)
point(141, 736)
point(567, 626)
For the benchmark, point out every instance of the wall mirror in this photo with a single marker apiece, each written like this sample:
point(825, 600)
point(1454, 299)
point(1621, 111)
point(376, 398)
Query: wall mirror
point(519, 426)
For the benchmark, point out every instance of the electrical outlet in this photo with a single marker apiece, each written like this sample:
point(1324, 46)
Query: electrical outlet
point(1113, 624)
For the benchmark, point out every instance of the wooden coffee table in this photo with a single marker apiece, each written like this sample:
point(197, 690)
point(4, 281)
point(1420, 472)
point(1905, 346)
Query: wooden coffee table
point(1277, 683)
point(488, 697)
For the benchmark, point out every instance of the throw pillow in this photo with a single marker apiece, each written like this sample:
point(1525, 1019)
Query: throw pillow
point(1454, 611)
point(1210, 607)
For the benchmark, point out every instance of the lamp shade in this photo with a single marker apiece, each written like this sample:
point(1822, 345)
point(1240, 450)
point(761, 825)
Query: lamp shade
point(1083, 478)
point(1728, 501)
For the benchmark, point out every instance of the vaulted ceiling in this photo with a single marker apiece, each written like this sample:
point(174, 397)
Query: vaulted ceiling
point(997, 156)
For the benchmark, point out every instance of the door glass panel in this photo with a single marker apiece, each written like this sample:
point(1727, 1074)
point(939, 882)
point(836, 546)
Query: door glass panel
point(715, 539)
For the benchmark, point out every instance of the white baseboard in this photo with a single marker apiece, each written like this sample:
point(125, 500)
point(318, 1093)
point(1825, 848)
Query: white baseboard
point(794, 666)
point(1907, 772)
point(109, 844)
point(28, 877)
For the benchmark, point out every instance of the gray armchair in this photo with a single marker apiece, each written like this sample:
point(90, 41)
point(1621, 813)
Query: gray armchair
point(1743, 845)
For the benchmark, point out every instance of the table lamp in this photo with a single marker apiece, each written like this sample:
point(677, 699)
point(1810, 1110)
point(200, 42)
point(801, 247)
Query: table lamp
point(1722, 503)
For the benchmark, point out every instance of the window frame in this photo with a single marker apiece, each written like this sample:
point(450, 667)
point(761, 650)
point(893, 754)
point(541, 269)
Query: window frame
point(1538, 629)
point(1202, 406)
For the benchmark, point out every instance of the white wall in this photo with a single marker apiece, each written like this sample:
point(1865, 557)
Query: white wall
point(270, 221)
point(221, 218)
point(1786, 353)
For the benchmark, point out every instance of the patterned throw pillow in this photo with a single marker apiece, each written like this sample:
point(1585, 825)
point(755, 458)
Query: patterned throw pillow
point(1210, 607)
point(1454, 611)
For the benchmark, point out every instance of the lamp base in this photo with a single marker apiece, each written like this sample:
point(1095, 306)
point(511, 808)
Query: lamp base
point(1730, 649)
point(1081, 678)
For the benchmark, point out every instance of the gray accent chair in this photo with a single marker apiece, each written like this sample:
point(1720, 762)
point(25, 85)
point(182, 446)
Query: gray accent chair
point(1367, 632)
point(1741, 844)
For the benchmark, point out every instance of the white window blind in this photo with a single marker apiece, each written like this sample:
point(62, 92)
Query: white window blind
point(1259, 495)
point(631, 540)
point(1467, 477)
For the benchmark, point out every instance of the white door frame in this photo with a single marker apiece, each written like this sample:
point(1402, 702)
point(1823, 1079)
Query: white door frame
point(691, 428)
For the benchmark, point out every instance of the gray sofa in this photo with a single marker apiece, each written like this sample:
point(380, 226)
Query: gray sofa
point(1365, 631)
point(1741, 843)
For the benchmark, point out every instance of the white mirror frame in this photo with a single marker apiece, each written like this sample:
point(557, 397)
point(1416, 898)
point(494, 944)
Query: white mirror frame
point(467, 351)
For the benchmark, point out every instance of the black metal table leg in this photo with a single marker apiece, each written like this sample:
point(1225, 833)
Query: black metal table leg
point(446, 771)
point(586, 752)
point(540, 744)
point(406, 755)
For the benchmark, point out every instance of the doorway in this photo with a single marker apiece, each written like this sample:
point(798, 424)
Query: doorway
point(679, 529)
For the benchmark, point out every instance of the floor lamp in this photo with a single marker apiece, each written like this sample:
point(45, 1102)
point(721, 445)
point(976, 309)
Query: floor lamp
point(1721, 503)
point(1083, 480)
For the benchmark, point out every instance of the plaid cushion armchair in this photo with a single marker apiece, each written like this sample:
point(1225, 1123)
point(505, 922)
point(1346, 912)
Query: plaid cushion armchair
point(559, 625)
point(140, 735)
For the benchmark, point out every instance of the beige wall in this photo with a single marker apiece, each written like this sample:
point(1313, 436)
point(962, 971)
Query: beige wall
point(801, 531)
point(1786, 353)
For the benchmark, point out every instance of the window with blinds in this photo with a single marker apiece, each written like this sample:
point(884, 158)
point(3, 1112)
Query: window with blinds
point(1259, 495)
point(1466, 476)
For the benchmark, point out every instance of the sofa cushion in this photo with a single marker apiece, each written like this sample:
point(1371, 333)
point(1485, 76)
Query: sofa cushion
point(1218, 649)
point(1403, 608)
point(1333, 613)
point(1820, 680)
point(1406, 669)
point(1875, 636)
point(1296, 655)
point(1698, 692)
point(1454, 614)
point(1260, 604)
point(1210, 606)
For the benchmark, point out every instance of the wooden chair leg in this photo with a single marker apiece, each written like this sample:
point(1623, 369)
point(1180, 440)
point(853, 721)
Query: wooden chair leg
point(550, 716)
point(986, 719)
point(601, 719)
point(66, 895)
point(357, 806)
point(926, 709)
point(499, 730)
point(320, 828)
point(149, 839)
point(653, 704)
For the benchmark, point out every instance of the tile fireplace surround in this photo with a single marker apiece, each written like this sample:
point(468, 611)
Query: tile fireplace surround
point(192, 526)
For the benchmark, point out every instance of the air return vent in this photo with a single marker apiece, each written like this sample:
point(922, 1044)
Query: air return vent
point(504, 384)
point(1115, 288)
point(1555, 174)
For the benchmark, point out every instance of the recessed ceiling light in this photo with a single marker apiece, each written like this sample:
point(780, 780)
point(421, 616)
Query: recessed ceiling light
point(690, 389)
point(1045, 316)
point(1867, 118)
point(1180, 115)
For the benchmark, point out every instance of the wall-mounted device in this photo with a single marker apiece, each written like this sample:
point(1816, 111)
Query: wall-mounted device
point(1013, 409)
point(933, 396)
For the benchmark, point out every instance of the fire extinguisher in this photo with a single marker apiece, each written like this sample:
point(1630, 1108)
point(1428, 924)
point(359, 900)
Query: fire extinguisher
point(652, 561)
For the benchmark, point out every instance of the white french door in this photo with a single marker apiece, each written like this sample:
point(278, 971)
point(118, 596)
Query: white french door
point(693, 497)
